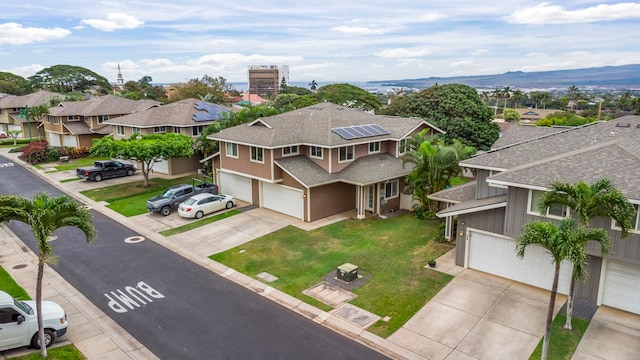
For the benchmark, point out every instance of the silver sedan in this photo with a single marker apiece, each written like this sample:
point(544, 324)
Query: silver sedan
point(200, 205)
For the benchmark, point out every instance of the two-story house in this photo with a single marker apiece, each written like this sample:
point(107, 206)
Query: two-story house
point(491, 210)
point(12, 106)
point(189, 117)
point(318, 161)
point(77, 123)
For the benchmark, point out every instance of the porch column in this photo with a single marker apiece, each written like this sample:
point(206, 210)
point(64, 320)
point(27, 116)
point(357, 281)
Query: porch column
point(360, 201)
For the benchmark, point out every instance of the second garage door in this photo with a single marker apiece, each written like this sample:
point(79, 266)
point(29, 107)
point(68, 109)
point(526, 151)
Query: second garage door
point(282, 199)
point(236, 186)
point(497, 255)
point(622, 287)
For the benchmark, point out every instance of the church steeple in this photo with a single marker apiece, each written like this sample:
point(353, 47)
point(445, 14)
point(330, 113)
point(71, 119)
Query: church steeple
point(120, 81)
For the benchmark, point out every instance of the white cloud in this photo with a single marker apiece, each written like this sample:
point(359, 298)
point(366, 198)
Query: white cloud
point(114, 21)
point(545, 13)
point(430, 17)
point(462, 63)
point(358, 30)
point(16, 34)
point(403, 53)
point(27, 70)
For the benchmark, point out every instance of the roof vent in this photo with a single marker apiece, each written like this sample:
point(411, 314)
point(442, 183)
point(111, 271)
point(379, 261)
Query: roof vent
point(638, 126)
point(623, 125)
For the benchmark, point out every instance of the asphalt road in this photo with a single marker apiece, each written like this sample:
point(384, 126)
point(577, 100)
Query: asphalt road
point(176, 308)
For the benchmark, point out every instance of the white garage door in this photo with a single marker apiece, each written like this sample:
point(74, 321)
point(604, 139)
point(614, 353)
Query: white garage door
point(161, 167)
point(16, 127)
point(70, 140)
point(282, 199)
point(497, 255)
point(53, 139)
point(236, 186)
point(622, 287)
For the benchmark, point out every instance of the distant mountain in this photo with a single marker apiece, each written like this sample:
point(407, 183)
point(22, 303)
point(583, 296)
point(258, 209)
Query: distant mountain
point(612, 77)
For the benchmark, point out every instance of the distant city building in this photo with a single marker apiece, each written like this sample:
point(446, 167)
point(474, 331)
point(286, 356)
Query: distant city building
point(265, 80)
point(120, 80)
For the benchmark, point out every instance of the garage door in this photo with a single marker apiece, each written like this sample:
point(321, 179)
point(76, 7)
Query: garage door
point(497, 255)
point(53, 139)
point(236, 185)
point(70, 140)
point(161, 167)
point(282, 199)
point(621, 287)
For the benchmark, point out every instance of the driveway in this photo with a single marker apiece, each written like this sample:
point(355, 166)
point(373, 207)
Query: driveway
point(478, 316)
point(612, 334)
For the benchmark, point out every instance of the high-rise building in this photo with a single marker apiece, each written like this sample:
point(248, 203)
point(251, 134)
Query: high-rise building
point(265, 80)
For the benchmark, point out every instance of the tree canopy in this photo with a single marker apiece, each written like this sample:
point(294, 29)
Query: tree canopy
point(68, 78)
point(215, 89)
point(13, 84)
point(454, 108)
point(147, 149)
point(349, 96)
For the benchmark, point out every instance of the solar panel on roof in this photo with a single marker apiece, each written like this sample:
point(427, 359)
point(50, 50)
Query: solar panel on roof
point(209, 111)
point(360, 131)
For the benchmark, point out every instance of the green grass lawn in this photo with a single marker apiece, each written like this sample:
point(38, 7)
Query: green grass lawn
point(67, 352)
point(392, 251)
point(563, 343)
point(8, 285)
point(197, 223)
point(76, 163)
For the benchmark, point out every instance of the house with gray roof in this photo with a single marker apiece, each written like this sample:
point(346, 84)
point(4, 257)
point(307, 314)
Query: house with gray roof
point(319, 161)
point(13, 112)
point(485, 217)
point(189, 117)
point(77, 123)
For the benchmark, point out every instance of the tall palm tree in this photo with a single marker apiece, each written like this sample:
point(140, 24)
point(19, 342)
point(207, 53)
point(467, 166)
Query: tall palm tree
point(313, 85)
point(497, 93)
point(518, 96)
point(506, 93)
point(562, 242)
point(600, 199)
point(45, 214)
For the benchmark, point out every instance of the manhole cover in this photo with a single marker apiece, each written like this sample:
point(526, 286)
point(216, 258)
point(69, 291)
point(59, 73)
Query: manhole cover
point(21, 266)
point(134, 239)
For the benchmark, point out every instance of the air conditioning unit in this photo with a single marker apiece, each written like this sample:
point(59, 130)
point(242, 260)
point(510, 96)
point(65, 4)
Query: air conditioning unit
point(347, 272)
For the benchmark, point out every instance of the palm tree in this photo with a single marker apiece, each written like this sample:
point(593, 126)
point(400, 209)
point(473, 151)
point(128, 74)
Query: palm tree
point(562, 242)
point(45, 214)
point(601, 199)
point(506, 93)
point(497, 93)
point(313, 85)
point(518, 96)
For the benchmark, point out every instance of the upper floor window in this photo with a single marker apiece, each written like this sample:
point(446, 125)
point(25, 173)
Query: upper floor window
point(197, 130)
point(159, 129)
point(346, 153)
point(374, 147)
point(403, 146)
point(257, 154)
point(73, 117)
point(55, 120)
point(48, 118)
point(120, 130)
point(315, 152)
point(102, 118)
point(635, 223)
point(391, 189)
point(554, 211)
point(232, 149)
point(290, 150)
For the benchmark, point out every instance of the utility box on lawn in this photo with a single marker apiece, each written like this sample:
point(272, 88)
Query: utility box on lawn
point(347, 272)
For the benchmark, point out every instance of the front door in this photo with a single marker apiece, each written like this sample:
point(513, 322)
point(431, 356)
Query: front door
point(371, 197)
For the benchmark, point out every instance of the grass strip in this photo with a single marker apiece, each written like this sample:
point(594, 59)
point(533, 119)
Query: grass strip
point(67, 352)
point(71, 179)
point(8, 285)
point(563, 343)
point(201, 222)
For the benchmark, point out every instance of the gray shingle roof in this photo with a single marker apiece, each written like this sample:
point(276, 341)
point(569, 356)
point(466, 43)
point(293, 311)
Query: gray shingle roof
point(103, 105)
point(519, 133)
point(365, 170)
point(312, 126)
point(179, 113)
point(474, 206)
point(456, 194)
point(33, 99)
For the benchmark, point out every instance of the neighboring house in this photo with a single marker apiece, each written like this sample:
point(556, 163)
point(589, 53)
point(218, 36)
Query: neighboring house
point(532, 115)
point(189, 117)
point(518, 133)
point(11, 106)
point(488, 213)
point(77, 123)
point(318, 161)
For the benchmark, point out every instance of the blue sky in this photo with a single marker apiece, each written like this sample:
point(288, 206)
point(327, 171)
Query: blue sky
point(328, 41)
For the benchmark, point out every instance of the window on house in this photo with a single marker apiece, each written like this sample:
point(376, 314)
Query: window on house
point(346, 153)
point(374, 147)
point(176, 130)
point(403, 146)
point(315, 152)
point(553, 211)
point(232, 150)
point(159, 129)
point(635, 223)
point(197, 130)
point(55, 120)
point(73, 117)
point(257, 154)
point(48, 119)
point(391, 189)
point(102, 118)
point(290, 150)
point(136, 130)
point(120, 130)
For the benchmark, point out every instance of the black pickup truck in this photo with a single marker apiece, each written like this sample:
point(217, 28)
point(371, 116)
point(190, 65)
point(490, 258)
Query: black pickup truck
point(104, 169)
point(173, 196)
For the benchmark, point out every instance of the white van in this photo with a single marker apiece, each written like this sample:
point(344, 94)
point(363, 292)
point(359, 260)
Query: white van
point(19, 324)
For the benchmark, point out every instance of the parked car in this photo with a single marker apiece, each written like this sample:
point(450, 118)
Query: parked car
point(104, 169)
point(173, 196)
point(19, 322)
point(200, 205)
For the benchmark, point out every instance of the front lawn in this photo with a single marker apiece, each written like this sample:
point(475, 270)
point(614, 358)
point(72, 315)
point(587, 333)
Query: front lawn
point(8, 285)
point(197, 223)
point(563, 343)
point(393, 251)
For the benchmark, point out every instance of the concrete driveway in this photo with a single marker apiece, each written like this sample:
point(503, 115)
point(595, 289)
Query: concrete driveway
point(478, 316)
point(612, 335)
